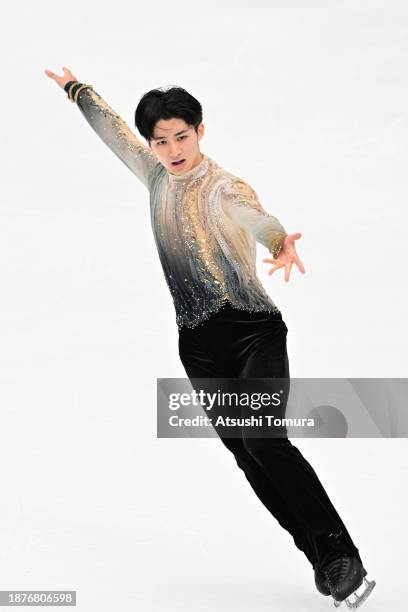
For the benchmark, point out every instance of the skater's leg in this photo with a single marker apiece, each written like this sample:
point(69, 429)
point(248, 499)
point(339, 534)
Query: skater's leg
point(259, 482)
point(291, 474)
point(199, 363)
point(325, 541)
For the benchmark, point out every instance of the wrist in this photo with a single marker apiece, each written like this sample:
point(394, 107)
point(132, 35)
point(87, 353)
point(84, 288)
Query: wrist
point(68, 84)
point(73, 88)
point(277, 243)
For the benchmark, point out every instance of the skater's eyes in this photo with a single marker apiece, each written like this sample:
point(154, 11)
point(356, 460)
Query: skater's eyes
point(163, 141)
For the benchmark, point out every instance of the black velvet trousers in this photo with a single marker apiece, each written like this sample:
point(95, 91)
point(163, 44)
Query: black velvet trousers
point(240, 344)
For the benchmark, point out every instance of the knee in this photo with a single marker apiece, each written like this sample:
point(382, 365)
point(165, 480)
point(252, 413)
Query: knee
point(245, 461)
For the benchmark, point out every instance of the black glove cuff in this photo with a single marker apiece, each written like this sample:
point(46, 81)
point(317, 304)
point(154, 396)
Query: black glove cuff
point(72, 88)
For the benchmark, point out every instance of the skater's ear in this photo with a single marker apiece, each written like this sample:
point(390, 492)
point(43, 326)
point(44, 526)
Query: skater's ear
point(200, 131)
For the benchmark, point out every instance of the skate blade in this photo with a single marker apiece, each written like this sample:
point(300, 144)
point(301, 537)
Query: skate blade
point(360, 599)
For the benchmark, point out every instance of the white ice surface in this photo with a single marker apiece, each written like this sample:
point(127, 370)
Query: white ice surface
point(307, 101)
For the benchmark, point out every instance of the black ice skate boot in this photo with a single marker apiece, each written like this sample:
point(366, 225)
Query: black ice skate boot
point(343, 577)
point(321, 581)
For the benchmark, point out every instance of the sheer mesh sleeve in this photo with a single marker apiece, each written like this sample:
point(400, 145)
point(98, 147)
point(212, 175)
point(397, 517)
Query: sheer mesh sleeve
point(115, 133)
point(243, 206)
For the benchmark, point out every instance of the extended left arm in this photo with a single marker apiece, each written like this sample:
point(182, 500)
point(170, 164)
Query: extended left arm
point(245, 208)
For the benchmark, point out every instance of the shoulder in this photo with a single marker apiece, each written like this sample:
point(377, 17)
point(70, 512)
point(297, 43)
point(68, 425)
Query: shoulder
point(239, 189)
point(233, 185)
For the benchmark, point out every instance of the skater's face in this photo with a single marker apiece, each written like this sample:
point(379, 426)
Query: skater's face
point(173, 140)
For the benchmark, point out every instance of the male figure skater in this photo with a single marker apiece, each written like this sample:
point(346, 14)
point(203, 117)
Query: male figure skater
point(206, 223)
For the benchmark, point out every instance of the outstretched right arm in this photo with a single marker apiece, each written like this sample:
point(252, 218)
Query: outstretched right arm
point(109, 126)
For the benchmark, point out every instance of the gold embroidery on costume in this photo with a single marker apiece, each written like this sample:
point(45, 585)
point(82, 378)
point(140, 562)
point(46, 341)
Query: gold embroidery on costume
point(249, 197)
point(196, 233)
point(276, 244)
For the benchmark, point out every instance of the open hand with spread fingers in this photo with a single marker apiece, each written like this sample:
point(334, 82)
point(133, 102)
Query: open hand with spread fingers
point(61, 80)
point(287, 257)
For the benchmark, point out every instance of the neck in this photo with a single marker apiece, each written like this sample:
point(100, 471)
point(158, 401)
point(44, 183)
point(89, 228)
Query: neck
point(198, 160)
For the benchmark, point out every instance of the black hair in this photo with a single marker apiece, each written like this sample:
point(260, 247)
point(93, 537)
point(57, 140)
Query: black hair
point(174, 102)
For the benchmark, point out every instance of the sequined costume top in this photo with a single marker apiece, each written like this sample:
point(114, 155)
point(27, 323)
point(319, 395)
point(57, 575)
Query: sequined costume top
point(205, 223)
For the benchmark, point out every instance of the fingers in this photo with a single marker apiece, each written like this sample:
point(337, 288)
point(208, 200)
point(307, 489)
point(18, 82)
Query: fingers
point(276, 267)
point(61, 80)
point(292, 237)
point(69, 74)
point(288, 268)
point(277, 264)
point(300, 265)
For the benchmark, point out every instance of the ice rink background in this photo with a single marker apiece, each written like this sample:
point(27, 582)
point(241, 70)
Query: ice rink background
point(308, 103)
